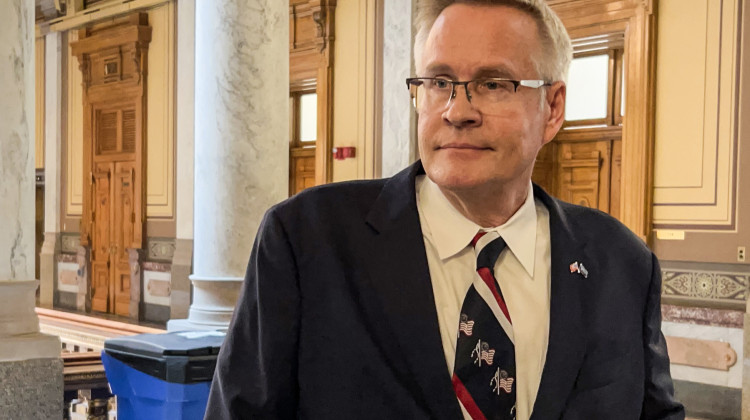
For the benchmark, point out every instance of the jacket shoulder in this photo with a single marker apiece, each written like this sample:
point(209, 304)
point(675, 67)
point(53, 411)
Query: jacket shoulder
point(326, 201)
point(601, 229)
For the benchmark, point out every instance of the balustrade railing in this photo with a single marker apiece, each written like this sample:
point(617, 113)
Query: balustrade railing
point(87, 395)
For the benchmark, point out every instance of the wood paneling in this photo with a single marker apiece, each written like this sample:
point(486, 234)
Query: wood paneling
point(583, 172)
point(302, 175)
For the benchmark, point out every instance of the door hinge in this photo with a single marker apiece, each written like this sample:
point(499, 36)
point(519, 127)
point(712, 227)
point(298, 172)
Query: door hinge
point(93, 215)
point(132, 217)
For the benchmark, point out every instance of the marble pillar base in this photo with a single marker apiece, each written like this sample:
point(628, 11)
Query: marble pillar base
point(36, 391)
point(20, 338)
point(48, 269)
point(214, 299)
point(182, 266)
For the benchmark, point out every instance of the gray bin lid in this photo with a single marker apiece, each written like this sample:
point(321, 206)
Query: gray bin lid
point(179, 343)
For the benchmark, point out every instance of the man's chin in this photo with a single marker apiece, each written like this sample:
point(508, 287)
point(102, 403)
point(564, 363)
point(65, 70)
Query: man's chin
point(458, 182)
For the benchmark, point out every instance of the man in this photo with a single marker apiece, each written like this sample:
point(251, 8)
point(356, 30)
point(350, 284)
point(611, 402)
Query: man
point(454, 289)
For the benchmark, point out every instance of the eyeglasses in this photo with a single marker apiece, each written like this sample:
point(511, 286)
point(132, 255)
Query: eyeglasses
point(488, 94)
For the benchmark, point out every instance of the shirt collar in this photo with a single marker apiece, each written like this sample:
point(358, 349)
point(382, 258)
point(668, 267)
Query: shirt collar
point(452, 232)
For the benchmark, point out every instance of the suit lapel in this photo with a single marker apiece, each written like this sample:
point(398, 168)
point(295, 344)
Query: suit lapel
point(403, 297)
point(566, 346)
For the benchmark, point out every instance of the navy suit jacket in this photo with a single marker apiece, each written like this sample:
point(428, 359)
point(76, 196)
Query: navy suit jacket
point(337, 318)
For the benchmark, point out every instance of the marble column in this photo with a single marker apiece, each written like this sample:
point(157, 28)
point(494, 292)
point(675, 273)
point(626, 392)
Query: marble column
point(28, 360)
point(52, 166)
point(182, 261)
point(399, 120)
point(241, 144)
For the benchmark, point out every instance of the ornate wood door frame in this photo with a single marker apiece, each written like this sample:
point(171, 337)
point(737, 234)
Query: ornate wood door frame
point(637, 19)
point(113, 60)
point(311, 37)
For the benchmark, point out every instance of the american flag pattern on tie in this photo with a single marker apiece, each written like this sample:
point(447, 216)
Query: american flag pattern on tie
point(501, 381)
point(466, 326)
point(485, 365)
point(482, 352)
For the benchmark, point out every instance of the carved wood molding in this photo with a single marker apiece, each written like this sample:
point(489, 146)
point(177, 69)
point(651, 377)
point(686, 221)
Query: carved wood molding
point(303, 16)
point(111, 44)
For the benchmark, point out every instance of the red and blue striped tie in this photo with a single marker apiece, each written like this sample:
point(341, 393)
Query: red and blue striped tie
point(484, 372)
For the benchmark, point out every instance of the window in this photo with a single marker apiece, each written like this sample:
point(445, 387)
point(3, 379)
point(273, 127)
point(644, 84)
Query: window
point(595, 86)
point(588, 88)
point(308, 117)
point(303, 118)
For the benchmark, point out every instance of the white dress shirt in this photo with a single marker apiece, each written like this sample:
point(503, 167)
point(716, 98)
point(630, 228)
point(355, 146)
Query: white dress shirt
point(522, 271)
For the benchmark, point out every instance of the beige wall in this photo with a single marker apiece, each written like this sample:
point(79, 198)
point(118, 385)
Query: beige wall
point(73, 174)
point(354, 101)
point(701, 194)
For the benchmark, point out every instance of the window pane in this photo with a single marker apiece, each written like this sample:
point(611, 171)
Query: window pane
point(308, 117)
point(587, 88)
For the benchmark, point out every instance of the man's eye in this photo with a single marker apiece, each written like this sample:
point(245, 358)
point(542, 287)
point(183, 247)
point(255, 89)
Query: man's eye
point(490, 85)
point(441, 83)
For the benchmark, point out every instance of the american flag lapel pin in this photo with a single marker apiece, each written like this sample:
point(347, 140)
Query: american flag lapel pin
point(584, 272)
point(577, 267)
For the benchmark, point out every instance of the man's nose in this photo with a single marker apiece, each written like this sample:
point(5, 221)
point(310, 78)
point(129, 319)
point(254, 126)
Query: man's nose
point(459, 111)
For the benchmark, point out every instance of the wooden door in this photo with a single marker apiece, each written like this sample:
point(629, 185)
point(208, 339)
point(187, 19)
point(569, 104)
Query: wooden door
point(114, 213)
point(113, 57)
point(123, 195)
point(100, 240)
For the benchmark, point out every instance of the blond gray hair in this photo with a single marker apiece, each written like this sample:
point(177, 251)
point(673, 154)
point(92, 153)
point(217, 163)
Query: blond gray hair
point(556, 51)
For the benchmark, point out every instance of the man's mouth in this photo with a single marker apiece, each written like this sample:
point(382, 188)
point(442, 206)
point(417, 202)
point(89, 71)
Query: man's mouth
point(463, 146)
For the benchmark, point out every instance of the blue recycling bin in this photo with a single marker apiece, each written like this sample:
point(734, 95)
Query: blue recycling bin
point(162, 376)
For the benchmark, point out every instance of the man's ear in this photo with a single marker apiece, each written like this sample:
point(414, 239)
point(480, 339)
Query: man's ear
point(556, 102)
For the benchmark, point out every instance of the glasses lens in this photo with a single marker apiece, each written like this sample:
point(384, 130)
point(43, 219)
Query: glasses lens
point(490, 93)
point(430, 94)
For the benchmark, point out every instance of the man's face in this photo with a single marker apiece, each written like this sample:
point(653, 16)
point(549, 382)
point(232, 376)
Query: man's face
point(463, 147)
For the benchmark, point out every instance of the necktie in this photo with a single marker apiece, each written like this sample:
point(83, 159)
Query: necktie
point(485, 366)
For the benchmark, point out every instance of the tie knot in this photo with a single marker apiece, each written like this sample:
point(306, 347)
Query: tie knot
point(488, 248)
